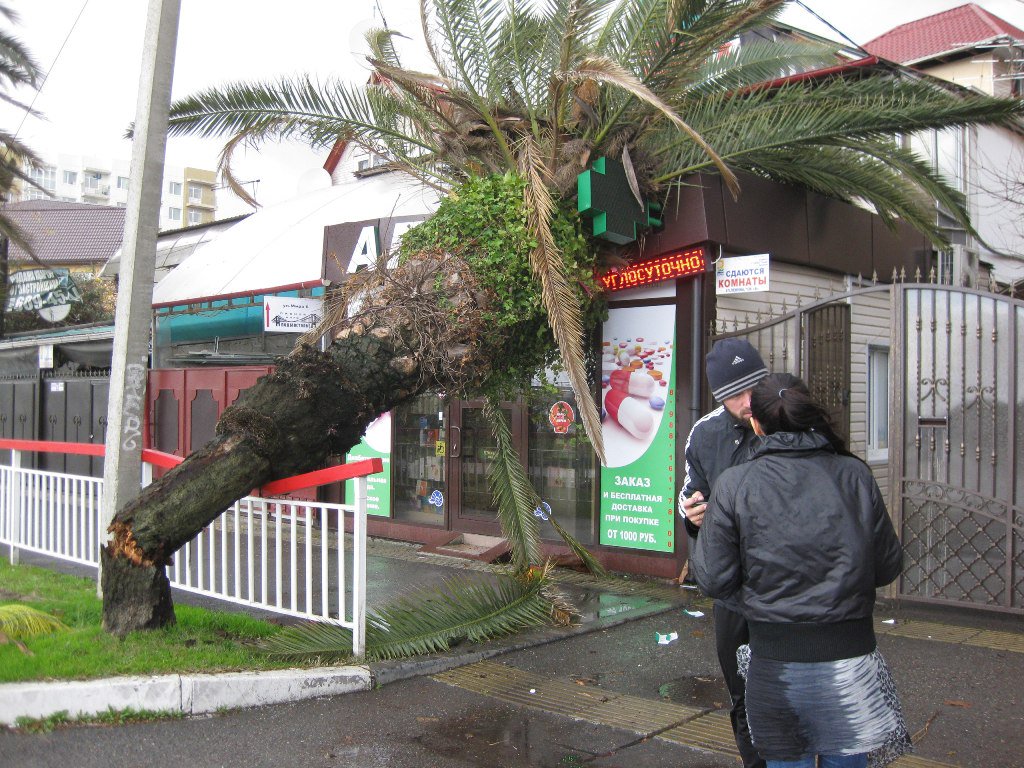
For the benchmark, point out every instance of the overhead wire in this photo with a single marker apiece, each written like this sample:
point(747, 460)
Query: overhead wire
point(49, 70)
point(829, 24)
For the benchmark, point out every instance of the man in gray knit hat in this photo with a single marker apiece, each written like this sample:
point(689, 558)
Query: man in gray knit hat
point(719, 440)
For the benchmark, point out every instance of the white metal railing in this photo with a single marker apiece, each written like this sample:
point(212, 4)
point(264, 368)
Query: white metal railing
point(280, 555)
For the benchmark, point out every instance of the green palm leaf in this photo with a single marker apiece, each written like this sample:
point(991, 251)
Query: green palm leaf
point(517, 499)
point(608, 71)
point(590, 562)
point(22, 622)
point(426, 621)
point(755, 62)
point(17, 69)
point(17, 65)
point(513, 493)
point(804, 115)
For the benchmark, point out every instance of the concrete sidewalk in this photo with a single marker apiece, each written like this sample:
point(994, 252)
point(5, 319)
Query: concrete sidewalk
point(608, 685)
point(393, 568)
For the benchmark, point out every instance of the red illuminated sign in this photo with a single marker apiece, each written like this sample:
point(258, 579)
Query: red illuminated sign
point(669, 267)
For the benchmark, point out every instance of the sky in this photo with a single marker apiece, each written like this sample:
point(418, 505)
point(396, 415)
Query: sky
point(91, 50)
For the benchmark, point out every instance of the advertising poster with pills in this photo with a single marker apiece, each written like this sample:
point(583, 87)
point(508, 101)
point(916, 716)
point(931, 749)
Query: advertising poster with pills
point(376, 443)
point(638, 426)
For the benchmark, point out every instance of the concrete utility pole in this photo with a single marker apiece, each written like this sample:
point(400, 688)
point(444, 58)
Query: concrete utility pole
point(122, 466)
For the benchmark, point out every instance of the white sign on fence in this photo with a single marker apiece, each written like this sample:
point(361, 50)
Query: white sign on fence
point(742, 274)
point(288, 314)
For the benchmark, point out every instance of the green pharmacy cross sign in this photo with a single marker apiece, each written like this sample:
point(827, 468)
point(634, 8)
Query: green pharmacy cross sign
point(606, 198)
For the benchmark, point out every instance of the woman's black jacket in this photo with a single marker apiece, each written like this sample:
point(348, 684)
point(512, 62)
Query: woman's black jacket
point(799, 534)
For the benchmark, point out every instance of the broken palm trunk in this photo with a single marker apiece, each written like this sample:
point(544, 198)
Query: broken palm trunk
point(416, 328)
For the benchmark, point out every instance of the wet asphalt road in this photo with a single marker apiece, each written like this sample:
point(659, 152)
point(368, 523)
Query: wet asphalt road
point(963, 702)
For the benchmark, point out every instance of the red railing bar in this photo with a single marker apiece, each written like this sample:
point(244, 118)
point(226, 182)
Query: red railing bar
point(160, 459)
point(48, 446)
point(324, 476)
point(168, 461)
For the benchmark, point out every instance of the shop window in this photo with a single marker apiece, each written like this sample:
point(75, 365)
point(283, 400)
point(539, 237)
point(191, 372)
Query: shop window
point(878, 403)
point(418, 472)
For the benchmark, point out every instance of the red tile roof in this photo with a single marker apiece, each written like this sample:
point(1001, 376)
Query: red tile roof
point(67, 233)
point(958, 28)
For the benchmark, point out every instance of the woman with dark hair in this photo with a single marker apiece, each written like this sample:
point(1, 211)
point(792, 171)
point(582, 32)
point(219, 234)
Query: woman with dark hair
point(801, 536)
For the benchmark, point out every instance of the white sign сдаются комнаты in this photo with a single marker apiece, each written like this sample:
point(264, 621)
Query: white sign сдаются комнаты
point(742, 274)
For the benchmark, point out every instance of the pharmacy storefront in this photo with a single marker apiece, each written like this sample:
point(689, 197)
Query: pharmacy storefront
point(212, 343)
point(437, 453)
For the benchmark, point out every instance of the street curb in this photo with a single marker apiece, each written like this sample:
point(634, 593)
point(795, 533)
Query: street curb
point(186, 694)
point(206, 693)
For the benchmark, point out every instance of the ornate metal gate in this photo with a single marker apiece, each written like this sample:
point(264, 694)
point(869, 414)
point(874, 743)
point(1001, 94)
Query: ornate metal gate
point(958, 464)
point(956, 426)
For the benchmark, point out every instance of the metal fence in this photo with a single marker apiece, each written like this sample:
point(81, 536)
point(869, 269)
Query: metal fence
point(955, 422)
point(283, 556)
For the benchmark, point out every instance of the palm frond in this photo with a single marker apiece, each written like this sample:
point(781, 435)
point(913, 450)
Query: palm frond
point(427, 23)
point(319, 641)
point(570, 27)
point(226, 172)
point(517, 499)
point(520, 51)
point(20, 67)
point(513, 493)
point(746, 124)
point(22, 622)
point(314, 113)
point(702, 29)
point(19, 105)
point(590, 562)
point(912, 170)
point(755, 62)
point(382, 45)
point(665, 42)
point(628, 28)
point(426, 621)
point(894, 188)
point(605, 70)
point(16, 160)
point(563, 309)
point(470, 31)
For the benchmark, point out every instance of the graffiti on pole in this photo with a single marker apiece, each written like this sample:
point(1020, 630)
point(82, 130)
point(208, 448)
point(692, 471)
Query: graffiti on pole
point(134, 391)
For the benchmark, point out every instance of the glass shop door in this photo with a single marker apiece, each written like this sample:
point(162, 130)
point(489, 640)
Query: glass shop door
point(471, 451)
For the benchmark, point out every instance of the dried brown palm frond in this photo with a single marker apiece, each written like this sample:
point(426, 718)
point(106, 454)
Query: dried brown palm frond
point(560, 301)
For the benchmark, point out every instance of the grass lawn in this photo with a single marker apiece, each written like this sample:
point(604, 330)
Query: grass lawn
point(201, 641)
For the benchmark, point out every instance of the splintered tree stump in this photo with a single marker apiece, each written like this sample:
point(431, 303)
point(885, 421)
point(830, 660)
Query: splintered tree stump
point(134, 596)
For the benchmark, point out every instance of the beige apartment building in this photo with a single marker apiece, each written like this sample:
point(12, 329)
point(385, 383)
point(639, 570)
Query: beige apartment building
point(188, 196)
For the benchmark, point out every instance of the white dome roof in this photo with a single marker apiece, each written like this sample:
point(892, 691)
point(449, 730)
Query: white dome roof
point(283, 245)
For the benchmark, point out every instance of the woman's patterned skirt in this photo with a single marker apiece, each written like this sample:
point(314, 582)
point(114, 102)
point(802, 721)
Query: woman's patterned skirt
point(843, 707)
